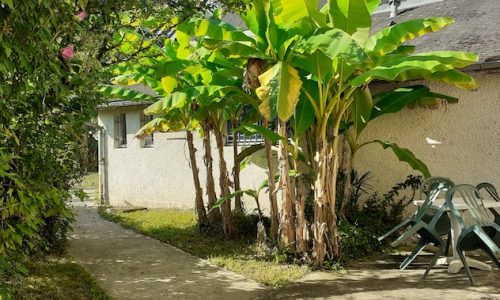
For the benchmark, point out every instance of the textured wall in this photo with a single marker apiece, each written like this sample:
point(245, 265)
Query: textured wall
point(160, 176)
point(469, 132)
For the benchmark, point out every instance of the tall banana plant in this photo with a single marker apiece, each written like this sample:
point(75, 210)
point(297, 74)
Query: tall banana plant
point(357, 59)
point(175, 119)
point(268, 45)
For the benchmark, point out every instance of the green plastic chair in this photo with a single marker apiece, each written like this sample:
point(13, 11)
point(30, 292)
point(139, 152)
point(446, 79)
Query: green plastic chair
point(492, 191)
point(429, 224)
point(476, 236)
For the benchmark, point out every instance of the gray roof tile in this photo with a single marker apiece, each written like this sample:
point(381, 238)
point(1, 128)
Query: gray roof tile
point(476, 27)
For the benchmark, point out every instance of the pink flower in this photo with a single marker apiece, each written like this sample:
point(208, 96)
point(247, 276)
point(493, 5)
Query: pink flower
point(81, 16)
point(68, 53)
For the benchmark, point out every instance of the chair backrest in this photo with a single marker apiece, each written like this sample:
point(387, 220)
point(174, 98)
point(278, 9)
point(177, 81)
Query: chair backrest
point(488, 187)
point(471, 197)
point(431, 188)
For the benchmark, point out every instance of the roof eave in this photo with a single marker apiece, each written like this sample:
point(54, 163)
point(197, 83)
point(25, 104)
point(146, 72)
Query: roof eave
point(123, 104)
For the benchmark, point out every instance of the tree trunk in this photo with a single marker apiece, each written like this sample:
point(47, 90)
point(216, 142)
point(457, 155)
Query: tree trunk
point(302, 232)
point(274, 214)
point(227, 218)
point(346, 170)
point(200, 207)
point(213, 215)
point(326, 237)
point(287, 228)
point(238, 206)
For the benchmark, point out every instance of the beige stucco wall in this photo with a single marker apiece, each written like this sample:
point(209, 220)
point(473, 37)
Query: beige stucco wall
point(469, 132)
point(161, 176)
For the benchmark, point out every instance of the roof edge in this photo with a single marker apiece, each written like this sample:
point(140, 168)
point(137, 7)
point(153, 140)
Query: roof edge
point(122, 103)
point(483, 65)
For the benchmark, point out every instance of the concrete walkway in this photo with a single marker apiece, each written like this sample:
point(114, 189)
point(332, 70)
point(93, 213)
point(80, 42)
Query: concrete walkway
point(132, 266)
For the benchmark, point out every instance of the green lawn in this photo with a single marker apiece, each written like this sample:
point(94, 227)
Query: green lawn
point(57, 278)
point(178, 228)
point(90, 180)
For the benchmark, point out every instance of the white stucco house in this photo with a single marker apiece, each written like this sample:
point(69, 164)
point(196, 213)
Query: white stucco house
point(460, 141)
point(155, 171)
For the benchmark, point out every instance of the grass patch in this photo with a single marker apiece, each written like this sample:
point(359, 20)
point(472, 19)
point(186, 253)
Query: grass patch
point(90, 180)
point(56, 278)
point(178, 228)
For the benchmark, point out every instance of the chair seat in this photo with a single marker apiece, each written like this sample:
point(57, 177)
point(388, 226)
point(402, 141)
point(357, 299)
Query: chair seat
point(443, 224)
point(472, 242)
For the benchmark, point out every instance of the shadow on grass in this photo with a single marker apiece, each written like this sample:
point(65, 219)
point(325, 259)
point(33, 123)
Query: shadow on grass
point(57, 278)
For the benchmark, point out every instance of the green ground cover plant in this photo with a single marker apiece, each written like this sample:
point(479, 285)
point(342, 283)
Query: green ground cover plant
point(56, 277)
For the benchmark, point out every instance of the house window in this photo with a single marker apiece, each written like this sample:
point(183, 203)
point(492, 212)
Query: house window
point(120, 130)
point(148, 141)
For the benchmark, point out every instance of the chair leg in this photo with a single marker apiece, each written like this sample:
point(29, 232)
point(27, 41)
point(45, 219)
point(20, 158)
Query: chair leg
point(434, 260)
point(466, 266)
point(420, 245)
point(394, 229)
point(448, 243)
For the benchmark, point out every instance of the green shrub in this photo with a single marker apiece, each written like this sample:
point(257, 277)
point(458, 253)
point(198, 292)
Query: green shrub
point(367, 221)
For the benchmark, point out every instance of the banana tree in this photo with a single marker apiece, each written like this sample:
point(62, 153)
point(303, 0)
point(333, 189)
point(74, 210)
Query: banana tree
point(165, 75)
point(259, 50)
point(171, 120)
point(357, 59)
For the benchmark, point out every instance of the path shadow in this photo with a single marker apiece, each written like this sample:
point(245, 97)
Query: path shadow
point(381, 279)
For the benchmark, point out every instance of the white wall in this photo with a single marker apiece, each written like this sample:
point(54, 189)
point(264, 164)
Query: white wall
point(469, 132)
point(161, 176)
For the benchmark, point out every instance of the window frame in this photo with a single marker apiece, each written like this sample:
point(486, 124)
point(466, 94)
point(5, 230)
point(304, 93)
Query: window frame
point(120, 130)
point(148, 141)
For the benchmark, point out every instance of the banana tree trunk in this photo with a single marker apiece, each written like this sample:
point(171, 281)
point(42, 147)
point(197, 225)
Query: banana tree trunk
point(347, 158)
point(214, 215)
point(326, 237)
point(274, 214)
point(200, 207)
point(227, 218)
point(287, 228)
point(238, 206)
point(302, 232)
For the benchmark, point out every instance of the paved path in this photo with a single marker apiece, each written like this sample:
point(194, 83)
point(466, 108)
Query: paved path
point(132, 266)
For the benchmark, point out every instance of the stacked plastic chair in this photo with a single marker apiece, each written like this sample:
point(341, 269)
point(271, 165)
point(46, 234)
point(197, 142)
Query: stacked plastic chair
point(477, 236)
point(428, 223)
